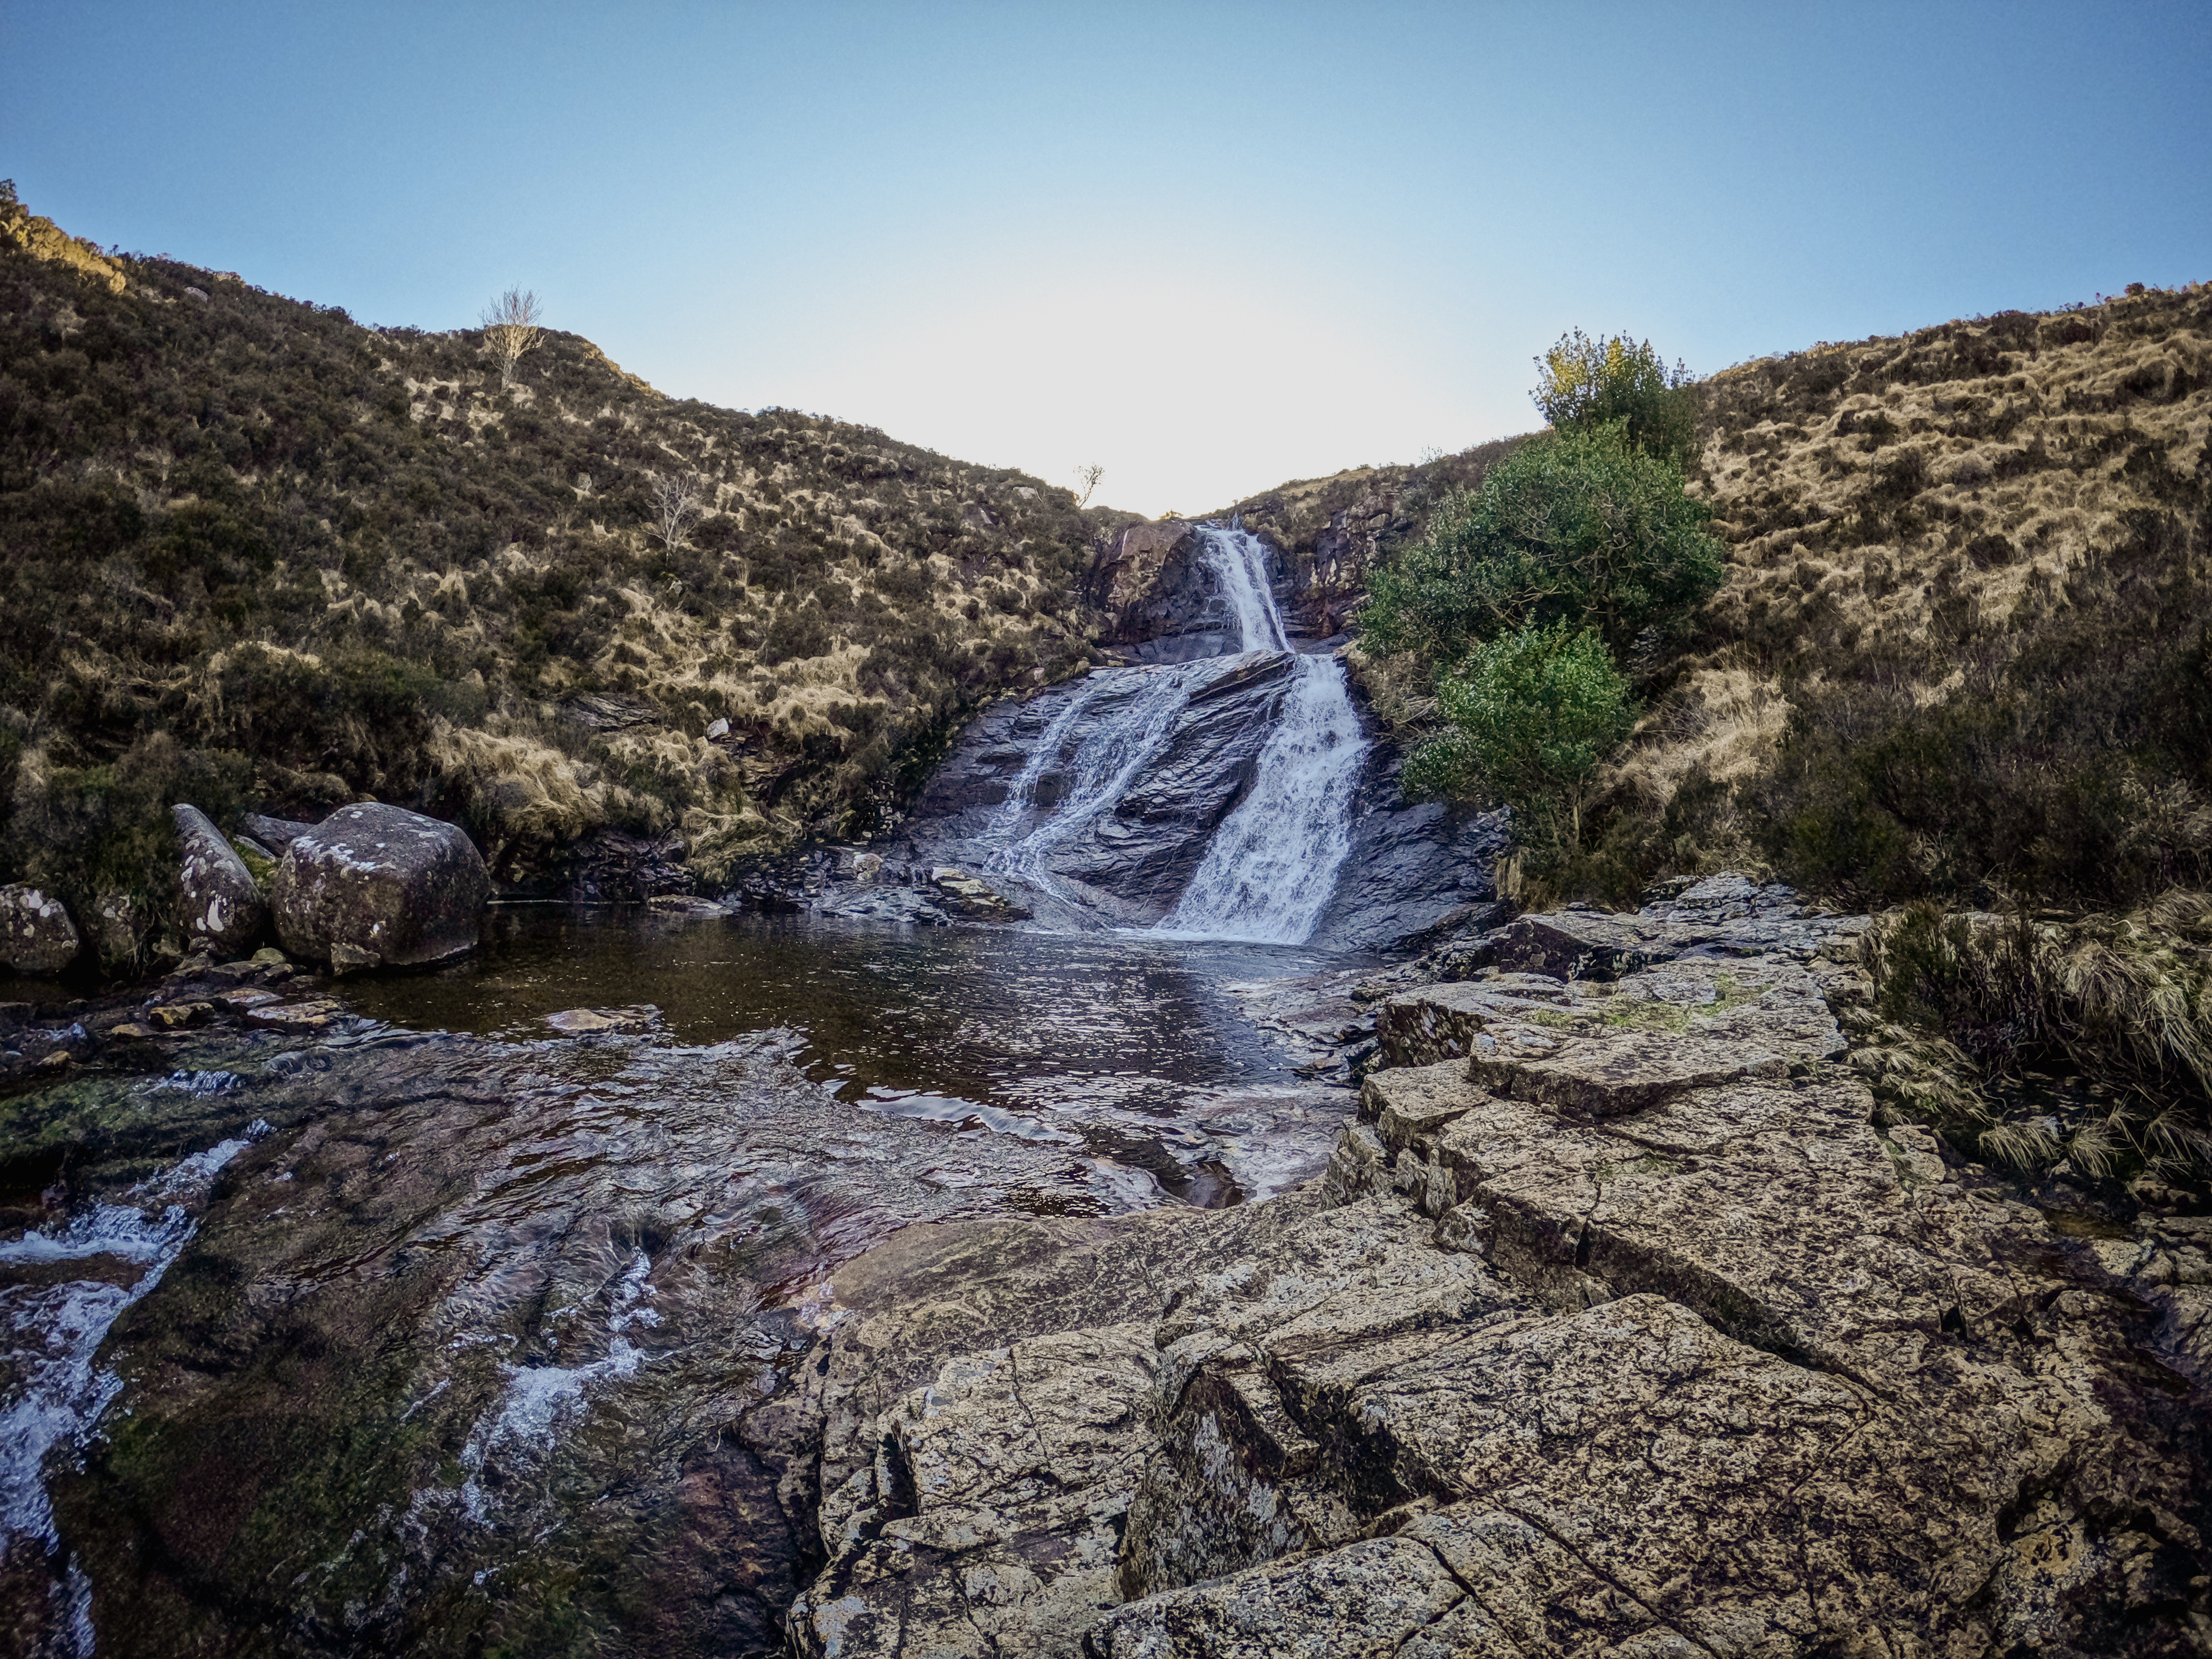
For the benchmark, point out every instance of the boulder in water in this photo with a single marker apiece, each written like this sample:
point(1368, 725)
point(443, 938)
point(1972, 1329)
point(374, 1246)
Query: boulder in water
point(223, 906)
point(379, 886)
point(36, 934)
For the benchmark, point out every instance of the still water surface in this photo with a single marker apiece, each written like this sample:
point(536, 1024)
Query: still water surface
point(1135, 1047)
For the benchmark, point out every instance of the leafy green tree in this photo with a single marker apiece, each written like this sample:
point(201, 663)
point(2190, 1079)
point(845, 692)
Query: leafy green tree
point(1532, 718)
point(1578, 526)
point(1583, 383)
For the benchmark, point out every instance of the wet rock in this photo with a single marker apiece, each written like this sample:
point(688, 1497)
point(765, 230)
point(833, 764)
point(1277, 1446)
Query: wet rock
point(488, 1342)
point(1191, 739)
point(223, 906)
point(1620, 1328)
point(613, 866)
point(585, 1022)
point(973, 898)
point(376, 885)
point(36, 934)
point(1412, 870)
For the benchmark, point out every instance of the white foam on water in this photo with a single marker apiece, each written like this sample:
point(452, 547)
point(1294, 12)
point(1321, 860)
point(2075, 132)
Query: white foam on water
point(54, 1333)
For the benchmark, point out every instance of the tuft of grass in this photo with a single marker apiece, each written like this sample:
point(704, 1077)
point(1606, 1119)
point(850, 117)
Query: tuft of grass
point(2043, 1039)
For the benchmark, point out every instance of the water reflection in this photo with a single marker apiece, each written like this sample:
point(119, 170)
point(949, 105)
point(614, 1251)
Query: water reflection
point(1130, 1046)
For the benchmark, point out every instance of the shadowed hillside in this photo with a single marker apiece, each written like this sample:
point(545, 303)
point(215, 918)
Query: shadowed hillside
point(254, 553)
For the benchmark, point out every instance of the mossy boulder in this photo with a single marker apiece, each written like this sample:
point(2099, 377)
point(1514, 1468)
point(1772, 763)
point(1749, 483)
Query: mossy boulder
point(36, 934)
point(379, 886)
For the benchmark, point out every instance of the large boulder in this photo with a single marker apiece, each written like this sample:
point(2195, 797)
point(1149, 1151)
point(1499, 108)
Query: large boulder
point(36, 934)
point(223, 906)
point(379, 886)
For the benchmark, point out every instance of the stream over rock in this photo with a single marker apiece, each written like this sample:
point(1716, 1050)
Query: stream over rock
point(1237, 793)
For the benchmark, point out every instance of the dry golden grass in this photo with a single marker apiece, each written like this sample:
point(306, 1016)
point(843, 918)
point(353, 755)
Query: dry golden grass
point(1883, 499)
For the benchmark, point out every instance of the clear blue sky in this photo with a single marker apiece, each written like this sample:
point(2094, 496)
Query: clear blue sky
point(1209, 246)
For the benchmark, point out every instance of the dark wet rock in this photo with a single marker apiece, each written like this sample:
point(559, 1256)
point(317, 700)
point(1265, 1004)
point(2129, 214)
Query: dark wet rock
point(614, 866)
point(972, 897)
point(276, 834)
point(36, 934)
point(374, 885)
point(1152, 585)
point(223, 906)
point(1205, 724)
point(1413, 872)
point(478, 1343)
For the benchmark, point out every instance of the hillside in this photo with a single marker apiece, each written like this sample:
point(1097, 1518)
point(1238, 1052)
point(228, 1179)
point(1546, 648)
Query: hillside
point(1963, 642)
point(252, 553)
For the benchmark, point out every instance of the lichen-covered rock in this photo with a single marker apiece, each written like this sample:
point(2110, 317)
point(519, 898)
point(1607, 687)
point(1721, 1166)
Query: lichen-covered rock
point(119, 928)
point(1620, 1328)
point(374, 885)
point(223, 906)
point(36, 934)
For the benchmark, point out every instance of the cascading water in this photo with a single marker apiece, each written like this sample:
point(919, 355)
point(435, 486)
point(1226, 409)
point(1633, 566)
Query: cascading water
point(1111, 757)
point(1270, 869)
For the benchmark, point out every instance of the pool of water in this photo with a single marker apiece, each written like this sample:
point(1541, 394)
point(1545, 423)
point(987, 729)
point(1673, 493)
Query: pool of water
point(1134, 1046)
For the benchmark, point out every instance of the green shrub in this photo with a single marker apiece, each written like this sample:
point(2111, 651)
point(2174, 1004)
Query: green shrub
point(1584, 383)
point(1531, 718)
point(1579, 527)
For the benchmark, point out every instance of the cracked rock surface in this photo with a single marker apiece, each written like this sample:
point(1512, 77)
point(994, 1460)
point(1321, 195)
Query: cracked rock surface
point(1616, 1326)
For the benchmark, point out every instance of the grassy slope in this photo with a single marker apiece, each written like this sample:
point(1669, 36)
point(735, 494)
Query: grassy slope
point(1963, 664)
point(253, 553)
point(1962, 639)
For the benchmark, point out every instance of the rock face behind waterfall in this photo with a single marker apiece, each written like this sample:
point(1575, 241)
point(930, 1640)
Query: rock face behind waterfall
point(374, 885)
point(1618, 1326)
point(1134, 857)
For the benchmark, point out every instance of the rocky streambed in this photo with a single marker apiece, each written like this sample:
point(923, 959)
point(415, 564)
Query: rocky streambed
point(1614, 1322)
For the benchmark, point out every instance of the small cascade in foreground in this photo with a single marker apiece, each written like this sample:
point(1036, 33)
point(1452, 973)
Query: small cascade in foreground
point(1270, 869)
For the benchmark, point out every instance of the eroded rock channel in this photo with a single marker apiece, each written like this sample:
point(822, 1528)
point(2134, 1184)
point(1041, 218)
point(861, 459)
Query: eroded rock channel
point(1616, 1322)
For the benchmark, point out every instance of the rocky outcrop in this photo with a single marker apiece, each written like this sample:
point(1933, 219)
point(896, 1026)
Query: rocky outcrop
point(374, 885)
point(1619, 1325)
point(224, 911)
point(36, 934)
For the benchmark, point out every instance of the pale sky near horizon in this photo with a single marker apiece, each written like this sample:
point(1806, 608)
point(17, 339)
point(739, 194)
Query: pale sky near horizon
point(1210, 247)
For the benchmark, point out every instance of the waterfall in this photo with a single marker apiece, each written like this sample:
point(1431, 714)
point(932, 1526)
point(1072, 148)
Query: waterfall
point(1125, 742)
point(1270, 869)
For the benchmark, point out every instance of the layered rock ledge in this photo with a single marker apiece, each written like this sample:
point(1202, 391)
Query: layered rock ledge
point(1617, 1325)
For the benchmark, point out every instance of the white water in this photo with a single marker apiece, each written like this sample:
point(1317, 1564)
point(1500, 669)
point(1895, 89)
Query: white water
point(1123, 744)
point(51, 1335)
point(1271, 868)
